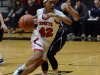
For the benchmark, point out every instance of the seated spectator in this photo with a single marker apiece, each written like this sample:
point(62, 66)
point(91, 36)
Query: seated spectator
point(32, 5)
point(83, 13)
point(38, 1)
point(24, 2)
point(15, 14)
point(94, 26)
point(10, 4)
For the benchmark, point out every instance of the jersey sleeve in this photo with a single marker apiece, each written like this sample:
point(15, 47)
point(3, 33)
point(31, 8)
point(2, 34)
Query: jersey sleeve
point(59, 13)
point(39, 11)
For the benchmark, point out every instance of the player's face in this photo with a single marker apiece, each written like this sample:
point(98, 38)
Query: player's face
point(17, 2)
point(96, 2)
point(78, 4)
point(30, 1)
point(50, 5)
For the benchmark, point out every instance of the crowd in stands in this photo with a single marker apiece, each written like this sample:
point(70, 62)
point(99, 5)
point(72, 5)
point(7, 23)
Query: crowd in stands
point(82, 27)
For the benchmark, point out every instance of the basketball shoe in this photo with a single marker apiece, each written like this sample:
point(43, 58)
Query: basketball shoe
point(18, 71)
point(2, 61)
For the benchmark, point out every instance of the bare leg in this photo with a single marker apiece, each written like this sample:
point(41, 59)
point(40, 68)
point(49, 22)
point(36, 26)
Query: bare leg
point(36, 57)
point(31, 68)
point(31, 64)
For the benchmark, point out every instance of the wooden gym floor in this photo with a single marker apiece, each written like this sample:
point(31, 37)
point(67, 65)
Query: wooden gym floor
point(76, 58)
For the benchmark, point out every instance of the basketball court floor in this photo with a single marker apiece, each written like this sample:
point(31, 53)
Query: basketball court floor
point(76, 58)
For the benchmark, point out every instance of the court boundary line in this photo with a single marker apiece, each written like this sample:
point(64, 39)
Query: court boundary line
point(91, 57)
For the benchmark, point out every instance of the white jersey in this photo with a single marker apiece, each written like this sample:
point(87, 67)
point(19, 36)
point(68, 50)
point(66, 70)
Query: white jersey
point(47, 27)
point(46, 31)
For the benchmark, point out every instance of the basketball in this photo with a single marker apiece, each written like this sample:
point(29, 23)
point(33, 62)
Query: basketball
point(26, 22)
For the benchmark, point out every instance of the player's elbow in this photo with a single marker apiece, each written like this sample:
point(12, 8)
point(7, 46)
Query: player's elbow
point(77, 18)
point(69, 22)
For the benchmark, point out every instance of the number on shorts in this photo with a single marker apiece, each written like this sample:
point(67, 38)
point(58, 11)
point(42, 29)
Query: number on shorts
point(48, 32)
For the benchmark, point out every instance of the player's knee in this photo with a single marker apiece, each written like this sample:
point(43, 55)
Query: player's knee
point(52, 60)
point(50, 55)
point(38, 55)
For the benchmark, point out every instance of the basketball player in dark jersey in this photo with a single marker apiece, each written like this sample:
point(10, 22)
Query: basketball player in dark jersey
point(59, 40)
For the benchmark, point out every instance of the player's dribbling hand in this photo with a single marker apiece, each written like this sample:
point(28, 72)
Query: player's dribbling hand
point(51, 15)
point(68, 5)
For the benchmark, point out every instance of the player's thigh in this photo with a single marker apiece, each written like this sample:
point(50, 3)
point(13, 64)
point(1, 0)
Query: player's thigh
point(59, 41)
point(39, 46)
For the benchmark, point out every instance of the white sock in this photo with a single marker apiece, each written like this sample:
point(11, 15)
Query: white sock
point(55, 73)
point(0, 56)
point(23, 67)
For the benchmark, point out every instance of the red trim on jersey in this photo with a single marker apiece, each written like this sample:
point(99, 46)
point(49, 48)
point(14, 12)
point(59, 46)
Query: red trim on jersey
point(37, 43)
point(44, 18)
point(38, 50)
point(56, 22)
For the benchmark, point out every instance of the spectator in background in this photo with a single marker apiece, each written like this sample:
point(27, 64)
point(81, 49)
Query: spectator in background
point(10, 4)
point(30, 9)
point(24, 2)
point(38, 1)
point(30, 6)
point(15, 14)
point(95, 14)
point(83, 13)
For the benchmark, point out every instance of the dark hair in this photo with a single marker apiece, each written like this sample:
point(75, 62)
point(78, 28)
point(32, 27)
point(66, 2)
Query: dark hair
point(18, 0)
point(78, 0)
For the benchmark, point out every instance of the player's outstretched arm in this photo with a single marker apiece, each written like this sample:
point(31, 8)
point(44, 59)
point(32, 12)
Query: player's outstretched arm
point(61, 17)
point(67, 7)
point(65, 19)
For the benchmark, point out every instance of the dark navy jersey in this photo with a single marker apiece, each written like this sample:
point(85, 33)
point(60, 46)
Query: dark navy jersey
point(95, 12)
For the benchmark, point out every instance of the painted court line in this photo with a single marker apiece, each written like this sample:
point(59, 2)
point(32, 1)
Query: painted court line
point(91, 57)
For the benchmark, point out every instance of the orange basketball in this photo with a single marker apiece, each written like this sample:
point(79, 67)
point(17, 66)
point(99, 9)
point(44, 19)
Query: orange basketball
point(26, 22)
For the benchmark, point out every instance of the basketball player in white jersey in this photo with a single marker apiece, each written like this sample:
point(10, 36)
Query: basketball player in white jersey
point(48, 20)
point(2, 27)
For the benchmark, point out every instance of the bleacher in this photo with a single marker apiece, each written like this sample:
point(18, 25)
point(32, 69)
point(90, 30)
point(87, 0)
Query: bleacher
point(27, 34)
point(7, 35)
